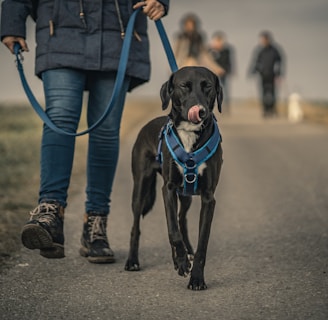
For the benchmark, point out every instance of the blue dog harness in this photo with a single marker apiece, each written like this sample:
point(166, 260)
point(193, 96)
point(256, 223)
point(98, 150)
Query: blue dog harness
point(189, 161)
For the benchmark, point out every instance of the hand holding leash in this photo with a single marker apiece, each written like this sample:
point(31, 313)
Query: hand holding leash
point(152, 8)
point(10, 41)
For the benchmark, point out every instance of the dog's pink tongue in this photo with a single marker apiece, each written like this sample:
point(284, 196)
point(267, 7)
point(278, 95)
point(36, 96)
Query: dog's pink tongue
point(193, 114)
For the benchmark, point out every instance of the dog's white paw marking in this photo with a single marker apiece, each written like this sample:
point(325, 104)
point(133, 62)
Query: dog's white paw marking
point(191, 260)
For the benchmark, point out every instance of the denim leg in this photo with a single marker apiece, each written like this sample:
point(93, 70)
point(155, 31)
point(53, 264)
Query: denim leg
point(63, 90)
point(104, 141)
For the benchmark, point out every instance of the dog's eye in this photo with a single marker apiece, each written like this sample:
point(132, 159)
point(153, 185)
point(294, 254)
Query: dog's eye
point(185, 85)
point(206, 85)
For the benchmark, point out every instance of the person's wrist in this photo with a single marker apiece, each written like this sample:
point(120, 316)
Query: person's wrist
point(165, 7)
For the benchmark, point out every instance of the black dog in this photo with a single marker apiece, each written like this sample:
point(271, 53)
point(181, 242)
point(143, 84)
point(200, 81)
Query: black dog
point(190, 126)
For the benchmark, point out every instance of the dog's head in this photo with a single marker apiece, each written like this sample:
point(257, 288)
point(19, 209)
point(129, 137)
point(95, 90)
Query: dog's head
point(193, 91)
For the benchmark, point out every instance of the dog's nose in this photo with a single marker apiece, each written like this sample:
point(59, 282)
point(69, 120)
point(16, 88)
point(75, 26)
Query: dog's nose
point(202, 113)
point(196, 114)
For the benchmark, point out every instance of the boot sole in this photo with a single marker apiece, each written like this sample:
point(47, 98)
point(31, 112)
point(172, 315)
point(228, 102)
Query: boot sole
point(36, 237)
point(84, 252)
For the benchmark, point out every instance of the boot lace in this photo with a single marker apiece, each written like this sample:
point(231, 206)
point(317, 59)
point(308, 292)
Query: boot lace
point(44, 212)
point(97, 228)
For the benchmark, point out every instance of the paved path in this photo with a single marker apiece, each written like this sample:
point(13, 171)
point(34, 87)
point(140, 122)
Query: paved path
point(268, 253)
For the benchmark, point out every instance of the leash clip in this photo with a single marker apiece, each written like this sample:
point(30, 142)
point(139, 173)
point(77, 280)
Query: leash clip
point(169, 126)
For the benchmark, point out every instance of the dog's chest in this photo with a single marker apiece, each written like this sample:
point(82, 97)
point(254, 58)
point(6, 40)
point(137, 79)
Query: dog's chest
point(188, 139)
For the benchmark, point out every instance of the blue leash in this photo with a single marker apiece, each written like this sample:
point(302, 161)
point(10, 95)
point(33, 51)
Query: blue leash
point(118, 82)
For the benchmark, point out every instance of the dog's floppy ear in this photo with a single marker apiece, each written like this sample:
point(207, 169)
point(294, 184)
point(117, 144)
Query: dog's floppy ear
point(166, 92)
point(219, 94)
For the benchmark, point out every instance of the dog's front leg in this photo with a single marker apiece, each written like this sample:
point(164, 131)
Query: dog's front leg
point(197, 281)
point(179, 252)
point(185, 202)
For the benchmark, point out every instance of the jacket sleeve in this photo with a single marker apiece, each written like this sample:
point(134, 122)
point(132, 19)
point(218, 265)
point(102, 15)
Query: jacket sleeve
point(166, 4)
point(13, 17)
point(229, 60)
point(255, 62)
point(279, 67)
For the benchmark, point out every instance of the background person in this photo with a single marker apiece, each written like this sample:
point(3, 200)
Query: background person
point(190, 48)
point(223, 54)
point(268, 64)
point(78, 48)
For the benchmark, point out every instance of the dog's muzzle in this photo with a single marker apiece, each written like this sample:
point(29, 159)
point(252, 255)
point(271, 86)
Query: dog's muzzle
point(196, 114)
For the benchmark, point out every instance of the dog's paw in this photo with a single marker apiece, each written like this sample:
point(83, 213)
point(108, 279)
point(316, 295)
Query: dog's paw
point(197, 284)
point(182, 265)
point(131, 265)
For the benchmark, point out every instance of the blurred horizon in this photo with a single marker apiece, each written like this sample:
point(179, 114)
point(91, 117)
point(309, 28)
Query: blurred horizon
point(299, 28)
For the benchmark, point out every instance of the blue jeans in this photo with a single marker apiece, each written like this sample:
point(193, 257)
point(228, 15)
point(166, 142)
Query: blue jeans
point(63, 90)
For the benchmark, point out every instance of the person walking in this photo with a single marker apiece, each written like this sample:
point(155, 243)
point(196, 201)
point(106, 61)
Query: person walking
point(268, 64)
point(78, 48)
point(223, 54)
point(189, 46)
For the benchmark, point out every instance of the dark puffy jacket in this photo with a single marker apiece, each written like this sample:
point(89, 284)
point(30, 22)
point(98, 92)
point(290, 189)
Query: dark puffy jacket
point(268, 62)
point(65, 40)
point(224, 58)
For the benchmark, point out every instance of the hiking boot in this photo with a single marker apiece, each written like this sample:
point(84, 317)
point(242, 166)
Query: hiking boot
point(94, 240)
point(44, 230)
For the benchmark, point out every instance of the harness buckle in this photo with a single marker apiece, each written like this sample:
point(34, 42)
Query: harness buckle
point(190, 177)
point(190, 164)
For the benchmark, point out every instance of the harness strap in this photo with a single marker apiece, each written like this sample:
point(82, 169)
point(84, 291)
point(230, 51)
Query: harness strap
point(199, 156)
point(159, 155)
point(118, 82)
point(189, 161)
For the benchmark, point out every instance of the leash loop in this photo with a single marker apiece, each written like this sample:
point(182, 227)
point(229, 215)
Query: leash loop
point(190, 177)
point(118, 82)
point(190, 164)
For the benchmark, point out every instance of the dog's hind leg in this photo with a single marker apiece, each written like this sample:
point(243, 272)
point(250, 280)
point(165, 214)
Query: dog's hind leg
point(132, 264)
point(185, 202)
point(144, 194)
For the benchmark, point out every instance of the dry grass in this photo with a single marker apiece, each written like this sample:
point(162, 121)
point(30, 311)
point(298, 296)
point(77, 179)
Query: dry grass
point(19, 140)
point(316, 112)
point(313, 111)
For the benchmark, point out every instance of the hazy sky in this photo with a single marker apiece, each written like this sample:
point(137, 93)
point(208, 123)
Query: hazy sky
point(299, 26)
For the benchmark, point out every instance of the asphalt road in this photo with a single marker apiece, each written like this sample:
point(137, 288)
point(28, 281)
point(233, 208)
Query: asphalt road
point(268, 252)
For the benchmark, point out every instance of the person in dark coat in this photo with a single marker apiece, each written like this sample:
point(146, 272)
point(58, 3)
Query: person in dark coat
point(190, 48)
point(268, 64)
point(223, 54)
point(79, 44)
